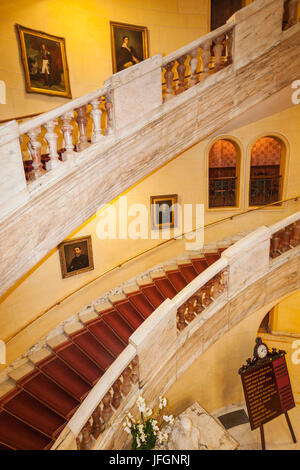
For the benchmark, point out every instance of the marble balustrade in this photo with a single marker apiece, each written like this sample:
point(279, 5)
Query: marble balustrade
point(59, 135)
point(285, 235)
point(196, 61)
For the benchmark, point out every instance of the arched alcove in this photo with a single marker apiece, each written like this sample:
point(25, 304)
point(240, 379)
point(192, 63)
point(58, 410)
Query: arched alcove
point(224, 170)
point(267, 170)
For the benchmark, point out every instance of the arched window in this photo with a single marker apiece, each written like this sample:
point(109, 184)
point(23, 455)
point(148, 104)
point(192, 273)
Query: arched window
point(223, 174)
point(266, 171)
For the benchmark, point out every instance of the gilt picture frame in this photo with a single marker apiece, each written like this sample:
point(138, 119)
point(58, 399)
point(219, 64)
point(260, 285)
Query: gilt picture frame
point(163, 211)
point(136, 46)
point(44, 62)
point(76, 256)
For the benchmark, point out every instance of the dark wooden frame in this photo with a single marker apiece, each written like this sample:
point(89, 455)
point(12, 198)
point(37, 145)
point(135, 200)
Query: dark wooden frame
point(62, 256)
point(129, 27)
point(29, 87)
point(159, 199)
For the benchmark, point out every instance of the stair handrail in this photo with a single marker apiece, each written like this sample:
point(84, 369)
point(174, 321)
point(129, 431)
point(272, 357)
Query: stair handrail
point(43, 118)
point(224, 29)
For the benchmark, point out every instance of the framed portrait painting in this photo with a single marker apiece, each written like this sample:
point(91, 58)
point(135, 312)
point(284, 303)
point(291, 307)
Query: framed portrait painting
point(76, 256)
point(163, 211)
point(129, 45)
point(45, 62)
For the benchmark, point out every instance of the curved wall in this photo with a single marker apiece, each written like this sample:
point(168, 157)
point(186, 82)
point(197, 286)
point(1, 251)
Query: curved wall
point(43, 286)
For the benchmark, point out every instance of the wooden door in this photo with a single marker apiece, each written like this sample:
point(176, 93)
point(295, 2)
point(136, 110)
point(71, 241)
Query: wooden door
point(222, 10)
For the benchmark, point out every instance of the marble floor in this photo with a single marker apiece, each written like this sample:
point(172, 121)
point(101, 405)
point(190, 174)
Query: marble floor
point(277, 434)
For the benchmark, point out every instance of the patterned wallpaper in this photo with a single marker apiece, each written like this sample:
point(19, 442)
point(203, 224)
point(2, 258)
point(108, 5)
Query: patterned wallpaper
point(265, 151)
point(222, 154)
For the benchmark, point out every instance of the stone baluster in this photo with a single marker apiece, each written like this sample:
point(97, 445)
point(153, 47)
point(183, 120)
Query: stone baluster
point(198, 305)
point(107, 411)
point(109, 114)
point(193, 66)
point(181, 317)
point(135, 370)
point(34, 147)
point(190, 315)
point(51, 138)
point(67, 129)
point(205, 56)
point(116, 400)
point(291, 7)
point(218, 49)
point(96, 115)
point(275, 245)
point(206, 301)
point(296, 237)
point(28, 168)
point(229, 44)
point(181, 68)
point(169, 75)
point(222, 280)
point(213, 291)
point(82, 126)
point(285, 240)
point(86, 441)
point(126, 385)
point(98, 427)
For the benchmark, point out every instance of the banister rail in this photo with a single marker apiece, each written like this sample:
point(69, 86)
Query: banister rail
point(222, 30)
point(43, 118)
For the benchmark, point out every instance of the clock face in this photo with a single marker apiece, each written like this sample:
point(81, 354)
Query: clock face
point(262, 351)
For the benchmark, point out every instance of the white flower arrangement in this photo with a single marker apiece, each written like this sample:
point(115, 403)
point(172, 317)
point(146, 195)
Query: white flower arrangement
point(147, 432)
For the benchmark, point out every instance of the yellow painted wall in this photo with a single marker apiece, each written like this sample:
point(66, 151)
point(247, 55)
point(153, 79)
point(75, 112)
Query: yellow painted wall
point(285, 317)
point(43, 286)
point(85, 26)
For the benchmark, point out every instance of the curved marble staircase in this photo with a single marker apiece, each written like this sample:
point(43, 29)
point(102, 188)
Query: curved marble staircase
point(41, 396)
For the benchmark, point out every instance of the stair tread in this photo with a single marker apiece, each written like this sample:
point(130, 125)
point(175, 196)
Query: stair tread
point(79, 362)
point(106, 336)
point(153, 294)
point(177, 279)
point(200, 264)
point(49, 393)
point(141, 303)
point(117, 323)
point(17, 434)
point(165, 287)
point(88, 343)
point(32, 412)
point(211, 257)
point(60, 373)
point(188, 271)
point(131, 315)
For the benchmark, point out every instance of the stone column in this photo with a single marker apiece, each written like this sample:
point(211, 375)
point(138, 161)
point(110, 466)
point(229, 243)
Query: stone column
point(51, 138)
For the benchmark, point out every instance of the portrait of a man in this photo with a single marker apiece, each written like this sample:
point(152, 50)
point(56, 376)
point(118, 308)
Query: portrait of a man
point(163, 211)
point(129, 45)
point(45, 63)
point(76, 256)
